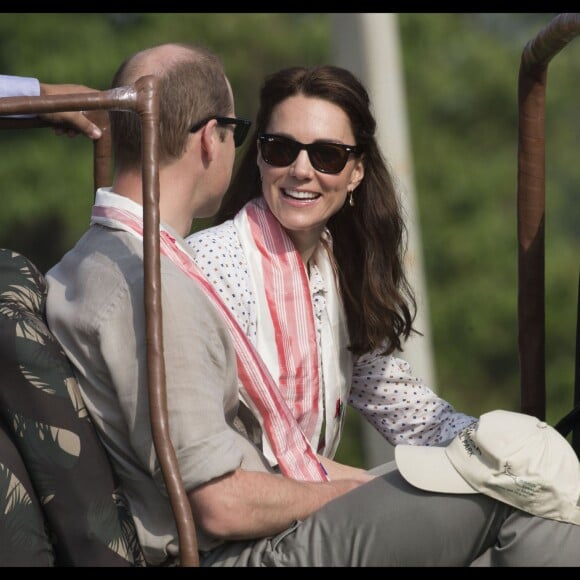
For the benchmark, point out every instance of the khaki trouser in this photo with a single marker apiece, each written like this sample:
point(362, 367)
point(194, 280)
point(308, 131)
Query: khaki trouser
point(387, 522)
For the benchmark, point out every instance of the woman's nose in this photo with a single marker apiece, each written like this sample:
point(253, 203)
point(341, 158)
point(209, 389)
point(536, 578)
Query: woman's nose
point(302, 167)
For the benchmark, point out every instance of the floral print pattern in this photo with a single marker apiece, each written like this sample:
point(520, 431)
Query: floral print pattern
point(59, 499)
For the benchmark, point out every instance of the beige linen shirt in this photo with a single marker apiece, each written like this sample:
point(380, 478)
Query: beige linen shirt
point(95, 308)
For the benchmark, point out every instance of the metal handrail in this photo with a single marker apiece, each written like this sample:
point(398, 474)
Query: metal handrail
point(531, 200)
point(142, 98)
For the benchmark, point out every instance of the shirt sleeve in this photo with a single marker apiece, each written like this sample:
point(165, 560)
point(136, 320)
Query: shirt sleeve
point(12, 86)
point(399, 405)
point(96, 311)
point(201, 384)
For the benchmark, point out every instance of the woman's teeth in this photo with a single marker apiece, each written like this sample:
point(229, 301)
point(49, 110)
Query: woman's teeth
point(302, 195)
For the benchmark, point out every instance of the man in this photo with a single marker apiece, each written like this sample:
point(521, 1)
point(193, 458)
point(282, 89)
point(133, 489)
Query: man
point(247, 512)
point(69, 122)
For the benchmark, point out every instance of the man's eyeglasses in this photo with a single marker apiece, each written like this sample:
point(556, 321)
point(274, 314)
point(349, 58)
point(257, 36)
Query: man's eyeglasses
point(241, 127)
point(324, 156)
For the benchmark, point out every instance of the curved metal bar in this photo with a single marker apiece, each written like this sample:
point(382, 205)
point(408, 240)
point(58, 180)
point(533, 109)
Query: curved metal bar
point(141, 98)
point(531, 203)
point(148, 109)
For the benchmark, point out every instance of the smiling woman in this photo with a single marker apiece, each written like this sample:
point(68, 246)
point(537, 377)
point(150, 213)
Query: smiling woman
point(299, 259)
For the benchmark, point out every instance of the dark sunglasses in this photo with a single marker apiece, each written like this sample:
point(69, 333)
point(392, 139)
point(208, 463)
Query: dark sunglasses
point(241, 127)
point(324, 156)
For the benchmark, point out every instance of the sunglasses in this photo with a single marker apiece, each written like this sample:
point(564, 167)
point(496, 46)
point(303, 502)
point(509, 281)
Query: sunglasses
point(241, 127)
point(324, 156)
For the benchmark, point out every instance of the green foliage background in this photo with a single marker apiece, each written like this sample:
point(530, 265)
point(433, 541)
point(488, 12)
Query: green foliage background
point(461, 74)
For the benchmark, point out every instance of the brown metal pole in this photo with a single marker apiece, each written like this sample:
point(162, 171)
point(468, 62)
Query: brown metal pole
point(149, 111)
point(531, 204)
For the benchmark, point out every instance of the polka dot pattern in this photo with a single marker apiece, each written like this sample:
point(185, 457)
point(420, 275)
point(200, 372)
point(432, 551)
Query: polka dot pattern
point(383, 389)
point(219, 254)
point(399, 405)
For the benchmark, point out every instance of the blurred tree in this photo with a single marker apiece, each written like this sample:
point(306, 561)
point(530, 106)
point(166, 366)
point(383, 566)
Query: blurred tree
point(461, 74)
point(462, 79)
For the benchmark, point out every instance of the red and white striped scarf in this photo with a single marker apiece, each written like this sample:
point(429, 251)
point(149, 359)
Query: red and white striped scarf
point(285, 284)
point(291, 447)
point(314, 376)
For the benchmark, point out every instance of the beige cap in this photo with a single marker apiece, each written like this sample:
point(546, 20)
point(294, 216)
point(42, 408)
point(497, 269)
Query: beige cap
point(512, 457)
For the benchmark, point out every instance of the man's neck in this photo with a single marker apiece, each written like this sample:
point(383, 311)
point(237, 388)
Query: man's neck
point(172, 211)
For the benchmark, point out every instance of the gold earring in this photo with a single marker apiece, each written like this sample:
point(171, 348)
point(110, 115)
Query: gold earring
point(350, 199)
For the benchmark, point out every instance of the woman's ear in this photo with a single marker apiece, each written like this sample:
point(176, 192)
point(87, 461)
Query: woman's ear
point(357, 174)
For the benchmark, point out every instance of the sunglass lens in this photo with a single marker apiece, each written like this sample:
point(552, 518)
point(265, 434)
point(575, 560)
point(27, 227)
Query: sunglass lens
point(240, 133)
point(327, 158)
point(278, 151)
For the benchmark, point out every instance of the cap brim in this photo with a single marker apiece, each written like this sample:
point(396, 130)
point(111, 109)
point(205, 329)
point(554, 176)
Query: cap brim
point(429, 468)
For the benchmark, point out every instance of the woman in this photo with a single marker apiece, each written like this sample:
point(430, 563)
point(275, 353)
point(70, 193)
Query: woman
point(308, 256)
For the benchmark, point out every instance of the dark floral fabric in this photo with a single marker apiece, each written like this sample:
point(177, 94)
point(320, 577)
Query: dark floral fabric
point(24, 539)
point(50, 454)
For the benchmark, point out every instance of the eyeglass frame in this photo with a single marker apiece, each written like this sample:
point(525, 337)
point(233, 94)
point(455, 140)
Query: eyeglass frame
point(241, 127)
point(349, 149)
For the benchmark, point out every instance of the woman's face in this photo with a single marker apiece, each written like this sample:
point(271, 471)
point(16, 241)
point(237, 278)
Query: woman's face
point(301, 197)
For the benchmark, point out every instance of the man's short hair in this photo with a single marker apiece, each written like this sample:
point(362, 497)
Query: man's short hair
point(192, 87)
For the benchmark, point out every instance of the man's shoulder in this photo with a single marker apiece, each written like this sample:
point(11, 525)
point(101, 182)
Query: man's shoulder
point(111, 253)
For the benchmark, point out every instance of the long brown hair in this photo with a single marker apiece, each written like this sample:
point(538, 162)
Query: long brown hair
point(369, 239)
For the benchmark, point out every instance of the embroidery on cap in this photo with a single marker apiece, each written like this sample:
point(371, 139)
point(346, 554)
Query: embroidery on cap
point(507, 470)
point(466, 438)
point(523, 488)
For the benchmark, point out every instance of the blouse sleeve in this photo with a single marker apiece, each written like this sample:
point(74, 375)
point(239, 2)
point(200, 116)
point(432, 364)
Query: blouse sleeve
point(399, 405)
